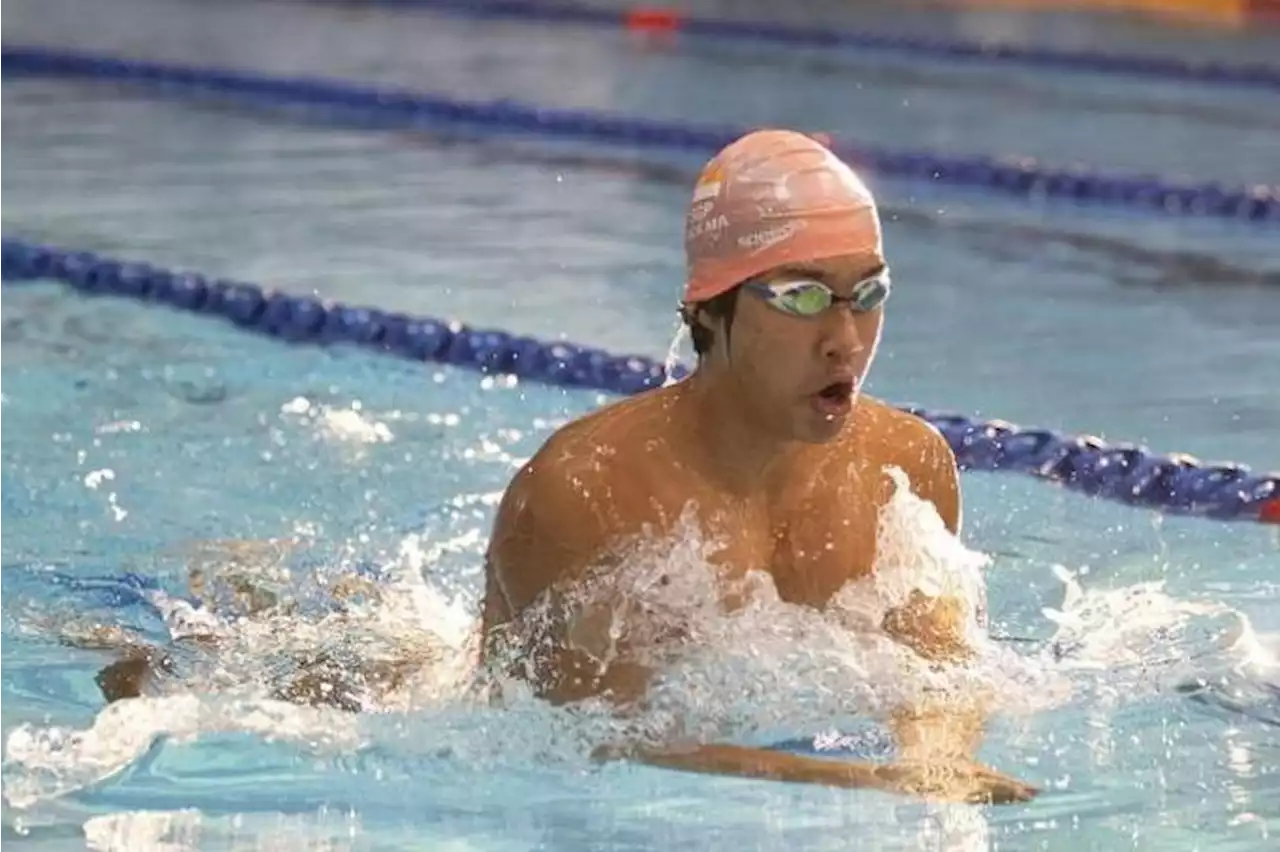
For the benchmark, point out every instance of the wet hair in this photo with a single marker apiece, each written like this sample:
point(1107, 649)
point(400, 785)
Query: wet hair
point(720, 307)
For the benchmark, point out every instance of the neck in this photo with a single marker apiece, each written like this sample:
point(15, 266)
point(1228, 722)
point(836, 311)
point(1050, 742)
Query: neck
point(740, 452)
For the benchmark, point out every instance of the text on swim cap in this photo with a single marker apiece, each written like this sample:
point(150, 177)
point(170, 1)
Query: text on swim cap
point(707, 226)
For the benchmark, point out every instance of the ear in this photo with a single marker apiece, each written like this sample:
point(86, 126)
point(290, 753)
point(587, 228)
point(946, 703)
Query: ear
point(695, 314)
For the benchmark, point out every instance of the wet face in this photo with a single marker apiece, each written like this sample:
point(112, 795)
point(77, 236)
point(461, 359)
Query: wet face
point(799, 376)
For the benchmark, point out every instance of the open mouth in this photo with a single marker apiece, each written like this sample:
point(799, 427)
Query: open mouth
point(834, 400)
point(836, 391)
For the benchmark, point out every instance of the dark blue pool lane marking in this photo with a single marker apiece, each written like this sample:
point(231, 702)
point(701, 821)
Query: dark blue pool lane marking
point(396, 109)
point(662, 20)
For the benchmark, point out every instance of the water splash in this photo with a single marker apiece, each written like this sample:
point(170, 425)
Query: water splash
point(734, 660)
point(747, 665)
point(1126, 643)
point(671, 365)
point(143, 831)
point(351, 425)
point(57, 760)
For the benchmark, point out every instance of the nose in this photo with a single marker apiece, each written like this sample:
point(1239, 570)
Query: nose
point(843, 339)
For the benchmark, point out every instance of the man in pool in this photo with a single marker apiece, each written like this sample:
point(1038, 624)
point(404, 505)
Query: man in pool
point(771, 444)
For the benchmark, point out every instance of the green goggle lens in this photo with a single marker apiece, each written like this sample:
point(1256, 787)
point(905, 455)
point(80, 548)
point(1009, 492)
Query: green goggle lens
point(808, 298)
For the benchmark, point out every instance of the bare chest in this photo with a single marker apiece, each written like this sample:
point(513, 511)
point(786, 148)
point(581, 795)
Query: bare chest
point(812, 544)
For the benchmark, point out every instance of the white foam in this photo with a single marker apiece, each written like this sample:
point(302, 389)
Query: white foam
point(144, 831)
point(56, 760)
point(759, 668)
point(189, 830)
point(768, 664)
point(350, 425)
point(1136, 640)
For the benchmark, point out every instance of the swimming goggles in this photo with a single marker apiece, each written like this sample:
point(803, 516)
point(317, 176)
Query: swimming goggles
point(808, 297)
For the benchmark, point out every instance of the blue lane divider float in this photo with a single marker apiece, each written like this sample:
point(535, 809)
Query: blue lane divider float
point(398, 109)
point(1162, 68)
point(1131, 474)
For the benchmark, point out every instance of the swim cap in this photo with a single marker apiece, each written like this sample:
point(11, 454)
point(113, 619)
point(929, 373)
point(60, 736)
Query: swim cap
point(770, 198)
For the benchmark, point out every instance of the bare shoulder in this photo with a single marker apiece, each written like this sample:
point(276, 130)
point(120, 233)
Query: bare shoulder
point(889, 436)
point(556, 484)
point(589, 448)
point(563, 507)
point(542, 532)
point(902, 436)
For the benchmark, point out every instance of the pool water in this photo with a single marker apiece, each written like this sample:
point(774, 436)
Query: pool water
point(137, 435)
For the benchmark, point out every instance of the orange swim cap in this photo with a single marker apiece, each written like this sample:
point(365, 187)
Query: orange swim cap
point(770, 198)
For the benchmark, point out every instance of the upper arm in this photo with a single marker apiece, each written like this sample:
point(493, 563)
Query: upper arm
point(931, 465)
point(551, 537)
point(545, 532)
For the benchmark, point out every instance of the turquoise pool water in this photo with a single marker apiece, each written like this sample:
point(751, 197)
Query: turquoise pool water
point(135, 434)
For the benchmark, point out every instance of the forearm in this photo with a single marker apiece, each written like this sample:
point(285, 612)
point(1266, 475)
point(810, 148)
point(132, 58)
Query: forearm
point(953, 781)
point(943, 725)
point(761, 764)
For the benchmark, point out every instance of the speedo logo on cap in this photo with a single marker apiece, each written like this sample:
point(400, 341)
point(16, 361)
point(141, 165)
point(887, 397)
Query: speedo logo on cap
point(770, 237)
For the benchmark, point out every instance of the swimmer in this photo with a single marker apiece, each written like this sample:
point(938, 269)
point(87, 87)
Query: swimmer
point(772, 443)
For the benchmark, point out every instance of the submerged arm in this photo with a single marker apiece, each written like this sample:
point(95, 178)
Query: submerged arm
point(965, 782)
point(943, 735)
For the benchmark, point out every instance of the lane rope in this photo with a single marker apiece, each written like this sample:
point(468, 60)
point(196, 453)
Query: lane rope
point(1125, 473)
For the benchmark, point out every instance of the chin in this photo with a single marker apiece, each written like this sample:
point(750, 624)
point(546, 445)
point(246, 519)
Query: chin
point(820, 430)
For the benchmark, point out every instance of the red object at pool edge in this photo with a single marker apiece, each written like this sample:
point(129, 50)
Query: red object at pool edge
point(1270, 513)
point(653, 19)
